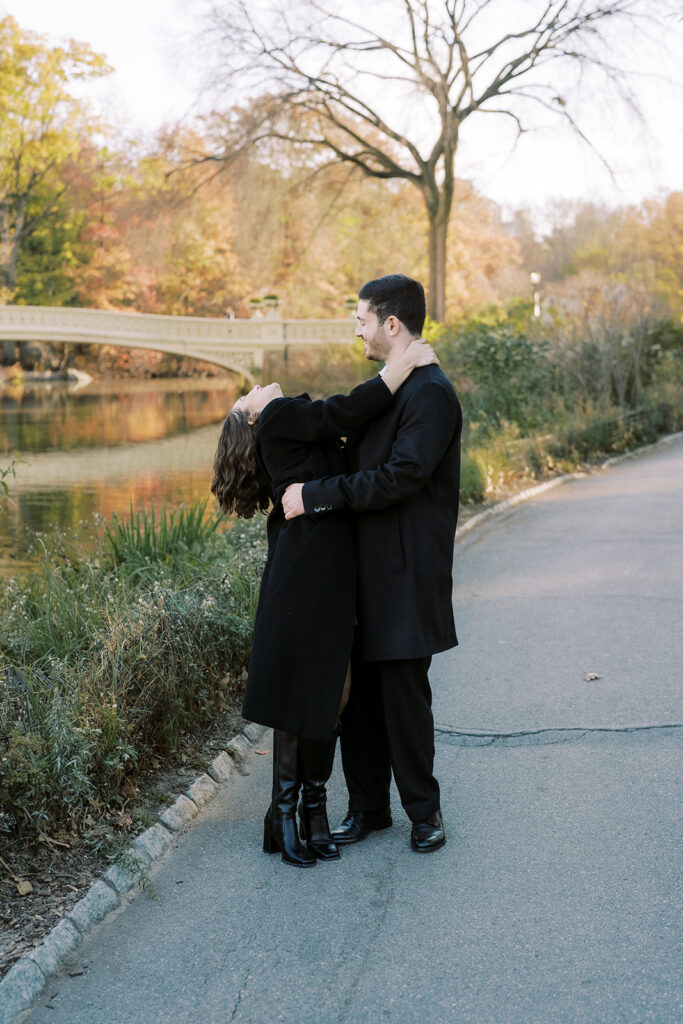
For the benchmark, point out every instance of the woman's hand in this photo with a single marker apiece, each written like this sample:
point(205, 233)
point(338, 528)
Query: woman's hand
point(417, 353)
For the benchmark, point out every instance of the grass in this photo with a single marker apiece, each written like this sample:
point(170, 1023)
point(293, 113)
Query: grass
point(141, 540)
point(8, 471)
point(106, 661)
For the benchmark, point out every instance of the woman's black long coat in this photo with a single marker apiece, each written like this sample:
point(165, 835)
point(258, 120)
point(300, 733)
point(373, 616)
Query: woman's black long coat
point(305, 617)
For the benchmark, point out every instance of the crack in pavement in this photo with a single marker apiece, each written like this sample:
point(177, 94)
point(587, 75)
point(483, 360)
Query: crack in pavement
point(384, 895)
point(531, 737)
point(242, 990)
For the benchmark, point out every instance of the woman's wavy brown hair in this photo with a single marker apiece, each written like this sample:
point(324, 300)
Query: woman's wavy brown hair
point(238, 481)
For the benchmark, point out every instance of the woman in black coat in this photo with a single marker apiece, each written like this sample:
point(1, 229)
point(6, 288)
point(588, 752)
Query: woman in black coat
point(303, 632)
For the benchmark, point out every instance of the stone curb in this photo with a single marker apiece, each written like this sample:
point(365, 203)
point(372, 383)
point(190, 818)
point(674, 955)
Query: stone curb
point(94, 906)
point(238, 748)
point(220, 768)
point(202, 790)
point(515, 499)
point(179, 814)
point(547, 485)
point(27, 978)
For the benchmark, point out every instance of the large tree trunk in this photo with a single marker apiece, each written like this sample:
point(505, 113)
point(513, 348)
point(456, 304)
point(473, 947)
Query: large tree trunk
point(439, 202)
point(436, 298)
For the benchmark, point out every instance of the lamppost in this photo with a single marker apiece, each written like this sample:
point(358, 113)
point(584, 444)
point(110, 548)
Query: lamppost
point(535, 279)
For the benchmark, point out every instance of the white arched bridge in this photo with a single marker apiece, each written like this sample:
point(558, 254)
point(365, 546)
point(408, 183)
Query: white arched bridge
point(237, 345)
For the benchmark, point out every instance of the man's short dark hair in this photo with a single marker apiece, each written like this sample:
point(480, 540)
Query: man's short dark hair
point(399, 296)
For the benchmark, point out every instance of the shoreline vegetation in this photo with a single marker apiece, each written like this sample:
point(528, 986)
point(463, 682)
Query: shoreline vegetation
point(106, 660)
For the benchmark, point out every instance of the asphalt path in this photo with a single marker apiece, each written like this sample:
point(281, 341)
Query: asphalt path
point(556, 897)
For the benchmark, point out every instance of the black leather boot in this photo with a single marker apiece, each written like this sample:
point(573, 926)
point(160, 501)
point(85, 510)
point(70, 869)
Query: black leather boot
point(315, 764)
point(279, 826)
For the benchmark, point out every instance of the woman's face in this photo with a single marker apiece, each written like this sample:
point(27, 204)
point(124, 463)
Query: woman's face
point(257, 399)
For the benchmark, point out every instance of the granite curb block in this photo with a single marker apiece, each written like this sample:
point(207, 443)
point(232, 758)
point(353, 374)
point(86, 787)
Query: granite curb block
point(238, 748)
point(221, 767)
point(27, 978)
point(153, 842)
point(58, 943)
point(202, 790)
point(94, 906)
point(547, 485)
point(179, 813)
point(20, 986)
point(254, 732)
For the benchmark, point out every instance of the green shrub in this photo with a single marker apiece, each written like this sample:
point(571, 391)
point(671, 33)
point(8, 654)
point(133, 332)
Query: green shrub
point(472, 480)
point(105, 661)
point(613, 434)
point(512, 375)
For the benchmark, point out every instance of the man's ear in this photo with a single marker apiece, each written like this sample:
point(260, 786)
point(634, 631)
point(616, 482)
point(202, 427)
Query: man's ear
point(392, 326)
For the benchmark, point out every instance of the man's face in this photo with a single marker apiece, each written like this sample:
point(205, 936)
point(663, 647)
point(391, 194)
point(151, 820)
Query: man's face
point(375, 341)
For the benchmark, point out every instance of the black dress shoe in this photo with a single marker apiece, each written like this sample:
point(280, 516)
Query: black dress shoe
point(428, 835)
point(358, 824)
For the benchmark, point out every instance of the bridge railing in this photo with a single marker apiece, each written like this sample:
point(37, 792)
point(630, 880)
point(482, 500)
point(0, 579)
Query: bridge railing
point(53, 323)
point(238, 345)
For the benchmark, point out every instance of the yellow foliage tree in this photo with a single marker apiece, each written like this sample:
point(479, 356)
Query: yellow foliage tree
point(42, 126)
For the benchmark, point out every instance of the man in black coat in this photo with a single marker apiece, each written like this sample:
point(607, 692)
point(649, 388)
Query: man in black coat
point(404, 493)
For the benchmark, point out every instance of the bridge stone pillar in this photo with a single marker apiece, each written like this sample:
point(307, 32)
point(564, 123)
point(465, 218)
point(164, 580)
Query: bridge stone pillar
point(272, 335)
point(9, 353)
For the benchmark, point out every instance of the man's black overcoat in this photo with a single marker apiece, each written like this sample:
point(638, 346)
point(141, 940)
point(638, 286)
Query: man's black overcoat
point(304, 625)
point(404, 493)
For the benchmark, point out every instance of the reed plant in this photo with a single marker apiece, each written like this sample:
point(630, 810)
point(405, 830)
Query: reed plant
point(143, 539)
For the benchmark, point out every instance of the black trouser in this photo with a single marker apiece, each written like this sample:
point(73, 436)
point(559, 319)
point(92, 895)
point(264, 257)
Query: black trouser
point(388, 724)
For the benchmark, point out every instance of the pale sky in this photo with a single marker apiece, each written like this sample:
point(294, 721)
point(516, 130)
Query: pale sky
point(153, 48)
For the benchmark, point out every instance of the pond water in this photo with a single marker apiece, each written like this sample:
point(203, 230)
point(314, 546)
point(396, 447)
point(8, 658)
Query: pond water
point(95, 450)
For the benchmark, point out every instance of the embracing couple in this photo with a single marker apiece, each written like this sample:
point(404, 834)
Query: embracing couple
point(356, 592)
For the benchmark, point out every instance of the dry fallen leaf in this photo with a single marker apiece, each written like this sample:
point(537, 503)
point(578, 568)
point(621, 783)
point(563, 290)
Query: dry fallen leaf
point(590, 676)
point(261, 751)
point(24, 887)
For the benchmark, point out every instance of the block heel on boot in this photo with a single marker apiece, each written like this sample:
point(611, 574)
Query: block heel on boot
point(315, 766)
point(279, 826)
point(269, 843)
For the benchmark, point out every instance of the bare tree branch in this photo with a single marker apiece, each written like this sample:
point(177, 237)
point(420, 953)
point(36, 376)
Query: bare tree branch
point(322, 68)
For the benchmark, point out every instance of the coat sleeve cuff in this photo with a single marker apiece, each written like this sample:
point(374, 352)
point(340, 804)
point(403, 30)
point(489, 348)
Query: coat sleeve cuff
point(316, 501)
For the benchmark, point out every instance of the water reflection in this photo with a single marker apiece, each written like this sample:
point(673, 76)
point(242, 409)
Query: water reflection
point(94, 451)
point(54, 417)
point(143, 443)
point(72, 517)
